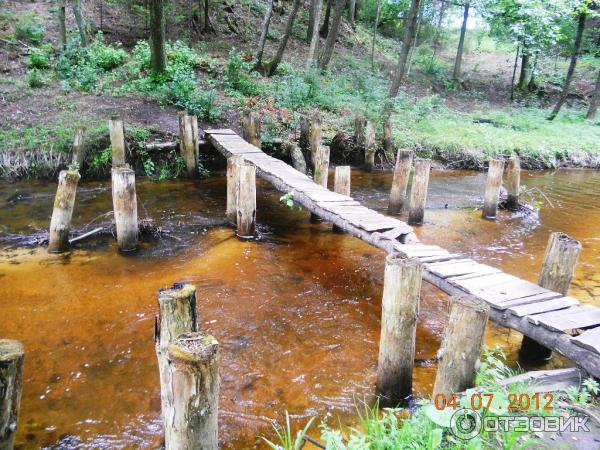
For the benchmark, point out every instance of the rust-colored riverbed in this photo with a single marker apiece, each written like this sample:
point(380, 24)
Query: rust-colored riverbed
point(297, 312)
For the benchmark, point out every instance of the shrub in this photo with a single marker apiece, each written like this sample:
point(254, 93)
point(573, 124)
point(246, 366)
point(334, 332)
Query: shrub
point(35, 79)
point(39, 58)
point(30, 30)
point(239, 75)
point(105, 57)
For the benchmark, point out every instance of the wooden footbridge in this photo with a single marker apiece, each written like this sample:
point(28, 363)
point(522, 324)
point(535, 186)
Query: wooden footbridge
point(556, 321)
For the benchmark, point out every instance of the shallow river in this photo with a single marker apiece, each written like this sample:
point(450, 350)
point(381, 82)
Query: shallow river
point(296, 312)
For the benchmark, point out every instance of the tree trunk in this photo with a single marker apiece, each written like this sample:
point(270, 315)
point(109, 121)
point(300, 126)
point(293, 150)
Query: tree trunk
point(461, 45)
point(523, 75)
point(437, 41)
point(333, 33)
point(591, 114)
point(270, 68)
point(12, 355)
point(352, 12)
point(514, 72)
point(409, 31)
point(158, 60)
point(62, 26)
point(314, 33)
point(375, 33)
point(207, 25)
point(263, 32)
point(325, 28)
point(76, 5)
point(572, 65)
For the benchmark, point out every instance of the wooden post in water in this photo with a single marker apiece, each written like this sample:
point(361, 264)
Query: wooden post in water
point(370, 145)
point(60, 224)
point(492, 189)
point(117, 140)
point(513, 181)
point(251, 128)
point(176, 315)
point(418, 193)
point(196, 141)
point(11, 387)
point(400, 181)
point(320, 173)
point(304, 140)
point(192, 420)
point(341, 184)
point(557, 272)
point(79, 147)
point(233, 183)
point(315, 137)
point(246, 201)
point(360, 125)
point(400, 308)
point(461, 346)
point(125, 208)
point(186, 143)
point(388, 140)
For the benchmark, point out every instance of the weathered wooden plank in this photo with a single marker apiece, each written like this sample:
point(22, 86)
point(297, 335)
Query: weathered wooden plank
point(544, 296)
point(447, 263)
point(476, 284)
point(589, 340)
point(543, 306)
point(430, 259)
point(548, 380)
point(568, 319)
point(484, 269)
point(216, 131)
point(454, 268)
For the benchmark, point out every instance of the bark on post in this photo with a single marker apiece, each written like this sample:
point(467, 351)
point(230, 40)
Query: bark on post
point(79, 146)
point(186, 143)
point(341, 184)
point(320, 173)
point(513, 182)
point(196, 141)
point(370, 145)
point(176, 315)
point(400, 181)
point(400, 309)
point(492, 189)
point(557, 272)
point(360, 125)
point(11, 387)
point(233, 183)
point(192, 423)
point(117, 141)
point(461, 346)
point(60, 224)
point(125, 208)
point(388, 140)
point(315, 137)
point(246, 201)
point(418, 193)
point(304, 140)
point(251, 128)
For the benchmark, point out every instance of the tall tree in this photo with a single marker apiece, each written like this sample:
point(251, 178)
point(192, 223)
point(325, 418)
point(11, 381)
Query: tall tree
point(574, 56)
point(591, 114)
point(314, 35)
point(76, 5)
point(338, 11)
point(158, 60)
point(62, 25)
point(352, 12)
point(325, 27)
point(264, 29)
point(375, 25)
point(461, 44)
point(270, 68)
point(437, 40)
point(407, 39)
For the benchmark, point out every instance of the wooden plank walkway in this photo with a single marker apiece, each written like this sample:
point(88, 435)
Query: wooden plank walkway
point(556, 321)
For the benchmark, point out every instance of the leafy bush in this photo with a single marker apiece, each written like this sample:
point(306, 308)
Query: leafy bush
point(105, 57)
point(29, 29)
point(39, 58)
point(239, 75)
point(35, 78)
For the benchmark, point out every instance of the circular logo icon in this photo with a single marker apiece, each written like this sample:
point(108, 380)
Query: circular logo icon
point(465, 424)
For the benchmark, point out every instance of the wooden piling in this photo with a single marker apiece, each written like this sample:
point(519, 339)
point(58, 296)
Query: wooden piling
point(187, 148)
point(341, 184)
point(79, 147)
point(191, 422)
point(320, 173)
point(64, 201)
point(246, 201)
point(195, 141)
point(557, 272)
point(360, 125)
point(176, 315)
point(400, 181)
point(513, 181)
point(125, 208)
point(117, 141)
point(315, 137)
point(461, 346)
point(304, 139)
point(370, 145)
point(388, 140)
point(418, 193)
point(400, 309)
point(12, 355)
point(251, 128)
point(233, 181)
point(492, 190)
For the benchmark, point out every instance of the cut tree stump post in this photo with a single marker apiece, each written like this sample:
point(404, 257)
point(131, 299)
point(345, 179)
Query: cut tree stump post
point(196, 141)
point(60, 224)
point(400, 181)
point(513, 181)
point(320, 173)
point(251, 128)
point(11, 387)
point(492, 189)
point(176, 315)
point(360, 125)
point(315, 137)
point(186, 143)
point(341, 184)
point(246, 201)
point(370, 145)
point(461, 346)
point(304, 140)
point(117, 141)
point(79, 147)
point(125, 208)
point(400, 309)
point(193, 418)
point(233, 182)
point(418, 193)
point(388, 140)
point(557, 272)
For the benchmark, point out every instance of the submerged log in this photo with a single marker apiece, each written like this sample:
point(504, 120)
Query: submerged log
point(60, 224)
point(11, 387)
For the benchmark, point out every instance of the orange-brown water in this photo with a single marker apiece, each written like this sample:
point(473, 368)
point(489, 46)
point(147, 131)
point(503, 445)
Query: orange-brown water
point(296, 312)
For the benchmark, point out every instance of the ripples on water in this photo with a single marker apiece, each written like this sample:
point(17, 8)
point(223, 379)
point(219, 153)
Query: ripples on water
point(297, 313)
